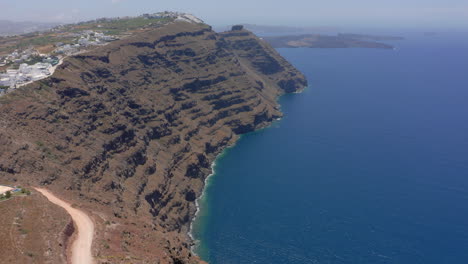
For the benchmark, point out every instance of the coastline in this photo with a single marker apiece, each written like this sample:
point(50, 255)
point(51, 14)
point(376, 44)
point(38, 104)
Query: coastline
point(314, 143)
point(195, 242)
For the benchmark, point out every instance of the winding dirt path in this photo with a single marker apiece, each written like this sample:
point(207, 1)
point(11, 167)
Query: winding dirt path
point(81, 247)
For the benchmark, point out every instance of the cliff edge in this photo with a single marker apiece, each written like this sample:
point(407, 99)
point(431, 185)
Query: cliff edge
point(128, 131)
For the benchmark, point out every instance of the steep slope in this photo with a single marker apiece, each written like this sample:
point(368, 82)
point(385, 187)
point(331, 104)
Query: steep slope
point(128, 131)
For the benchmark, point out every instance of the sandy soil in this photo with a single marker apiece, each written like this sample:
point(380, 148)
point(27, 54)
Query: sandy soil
point(81, 247)
point(32, 231)
point(4, 189)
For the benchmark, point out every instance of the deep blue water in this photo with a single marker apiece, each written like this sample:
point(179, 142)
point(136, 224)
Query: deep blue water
point(369, 164)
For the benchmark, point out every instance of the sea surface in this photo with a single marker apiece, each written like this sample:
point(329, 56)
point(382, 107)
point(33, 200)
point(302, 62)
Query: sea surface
point(368, 165)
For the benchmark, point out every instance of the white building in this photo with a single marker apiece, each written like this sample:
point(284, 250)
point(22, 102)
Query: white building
point(25, 74)
point(5, 80)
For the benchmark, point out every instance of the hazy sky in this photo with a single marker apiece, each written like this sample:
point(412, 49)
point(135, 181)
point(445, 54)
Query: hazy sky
point(382, 13)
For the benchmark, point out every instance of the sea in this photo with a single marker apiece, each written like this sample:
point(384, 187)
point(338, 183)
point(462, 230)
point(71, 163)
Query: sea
point(368, 165)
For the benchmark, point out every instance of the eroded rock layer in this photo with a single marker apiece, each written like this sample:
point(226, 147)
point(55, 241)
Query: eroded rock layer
point(128, 131)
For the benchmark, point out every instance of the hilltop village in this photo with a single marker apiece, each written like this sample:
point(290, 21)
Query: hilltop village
point(26, 66)
point(40, 53)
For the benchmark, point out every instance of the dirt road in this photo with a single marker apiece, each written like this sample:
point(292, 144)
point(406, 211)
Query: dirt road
point(4, 189)
point(81, 247)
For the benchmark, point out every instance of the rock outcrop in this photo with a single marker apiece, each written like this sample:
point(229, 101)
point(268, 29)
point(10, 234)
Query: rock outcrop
point(128, 131)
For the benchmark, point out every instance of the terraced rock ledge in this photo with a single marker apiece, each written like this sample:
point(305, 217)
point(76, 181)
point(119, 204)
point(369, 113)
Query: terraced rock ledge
point(128, 131)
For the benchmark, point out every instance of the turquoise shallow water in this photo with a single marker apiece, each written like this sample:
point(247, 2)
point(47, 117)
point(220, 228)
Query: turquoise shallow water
point(369, 164)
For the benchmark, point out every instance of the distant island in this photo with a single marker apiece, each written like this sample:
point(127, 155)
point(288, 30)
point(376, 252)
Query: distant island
point(270, 29)
point(318, 37)
point(327, 41)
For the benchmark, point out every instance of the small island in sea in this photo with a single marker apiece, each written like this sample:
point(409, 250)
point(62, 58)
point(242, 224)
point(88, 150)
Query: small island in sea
point(318, 37)
point(331, 41)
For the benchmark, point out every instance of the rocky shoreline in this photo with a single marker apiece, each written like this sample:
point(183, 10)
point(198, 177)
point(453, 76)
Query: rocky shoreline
point(212, 174)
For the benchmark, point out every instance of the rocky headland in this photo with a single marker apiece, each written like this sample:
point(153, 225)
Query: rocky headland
point(127, 132)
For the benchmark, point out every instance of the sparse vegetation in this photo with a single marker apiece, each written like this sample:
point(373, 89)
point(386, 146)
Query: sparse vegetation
point(35, 225)
point(34, 60)
point(25, 191)
point(64, 34)
point(116, 26)
point(105, 244)
point(9, 194)
point(47, 151)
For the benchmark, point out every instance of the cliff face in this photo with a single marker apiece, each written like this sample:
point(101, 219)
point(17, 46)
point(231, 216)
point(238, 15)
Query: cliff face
point(128, 131)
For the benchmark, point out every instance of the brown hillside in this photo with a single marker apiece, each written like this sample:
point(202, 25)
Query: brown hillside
point(128, 131)
point(33, 231)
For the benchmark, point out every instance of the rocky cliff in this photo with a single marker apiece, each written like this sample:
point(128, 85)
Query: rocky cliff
point(128, 131)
